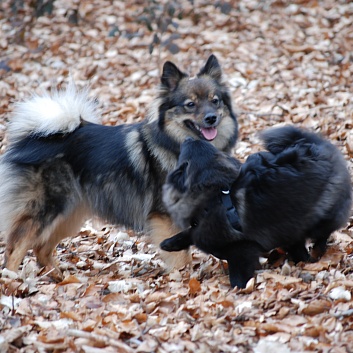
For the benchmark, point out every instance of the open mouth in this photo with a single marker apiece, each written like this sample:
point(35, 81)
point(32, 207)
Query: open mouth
point(208, 133)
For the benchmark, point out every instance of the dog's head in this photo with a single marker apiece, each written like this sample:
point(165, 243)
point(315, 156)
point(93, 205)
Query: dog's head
point(202, 171)
point(201, 166)
point(198, 107)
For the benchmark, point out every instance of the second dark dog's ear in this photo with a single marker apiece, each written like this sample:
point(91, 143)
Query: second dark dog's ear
point(212, 69)
point(171, 76)
point(178, 177)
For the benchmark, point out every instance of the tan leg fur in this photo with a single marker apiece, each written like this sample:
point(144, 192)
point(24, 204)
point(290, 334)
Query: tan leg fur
point(20, 239)
point(161, 227)
point(24, 236)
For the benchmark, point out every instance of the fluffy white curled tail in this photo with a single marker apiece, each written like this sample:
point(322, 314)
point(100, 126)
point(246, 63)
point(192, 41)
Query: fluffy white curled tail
point(58, 112)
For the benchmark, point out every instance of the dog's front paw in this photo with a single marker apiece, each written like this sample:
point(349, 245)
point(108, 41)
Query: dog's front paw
point(169, 245)
point(178, 242)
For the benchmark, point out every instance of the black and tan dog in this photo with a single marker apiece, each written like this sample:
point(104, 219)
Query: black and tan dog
point(299, 190)
point(61, 167)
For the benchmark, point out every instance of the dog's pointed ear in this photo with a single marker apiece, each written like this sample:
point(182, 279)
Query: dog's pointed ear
point(178, 177)
point(171, 76)
point(212, 69)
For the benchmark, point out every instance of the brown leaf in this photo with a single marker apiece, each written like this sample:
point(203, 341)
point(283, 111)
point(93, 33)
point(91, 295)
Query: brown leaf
point(298, 48)
point(141, 317)
point(51, 336)
point(69, 279)
point(15, 64)
point(32, 44)
point(314, 331)
point(275, 327)
point(316, 266)
point(284, 280)
point(71, 315)
point(113, 297)
point(226, 304)
point(194, 286)
point(317, 306)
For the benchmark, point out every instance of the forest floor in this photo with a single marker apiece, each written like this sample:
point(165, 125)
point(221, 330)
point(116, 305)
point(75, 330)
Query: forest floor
point(285, 62)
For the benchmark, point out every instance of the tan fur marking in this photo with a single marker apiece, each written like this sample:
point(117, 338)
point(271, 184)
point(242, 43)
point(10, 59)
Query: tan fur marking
point(161, 227)
point(24, 236)
point(20, 239)
point(193, 97)
point(177, 129)
point(225, 130)
point(135, 148)
point(63, 228)
point(152, 113)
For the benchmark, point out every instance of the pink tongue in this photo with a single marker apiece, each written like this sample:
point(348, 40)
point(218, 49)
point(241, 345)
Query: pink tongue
point(209, 133)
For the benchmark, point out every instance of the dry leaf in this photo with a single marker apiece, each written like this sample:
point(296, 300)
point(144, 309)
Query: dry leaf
point(69, 280)
point(194, 286)
point(71, 315)
point(317, 307)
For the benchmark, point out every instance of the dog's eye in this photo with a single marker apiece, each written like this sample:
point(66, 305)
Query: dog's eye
point(190, 104)
point(215, 101)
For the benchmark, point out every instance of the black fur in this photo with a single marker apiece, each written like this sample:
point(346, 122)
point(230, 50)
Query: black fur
point(300, 189)
point(200, 168)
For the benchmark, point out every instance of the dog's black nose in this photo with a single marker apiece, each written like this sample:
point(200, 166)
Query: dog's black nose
point(210, 118)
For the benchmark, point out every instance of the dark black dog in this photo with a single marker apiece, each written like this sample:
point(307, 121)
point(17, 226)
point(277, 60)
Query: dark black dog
point(300, 189)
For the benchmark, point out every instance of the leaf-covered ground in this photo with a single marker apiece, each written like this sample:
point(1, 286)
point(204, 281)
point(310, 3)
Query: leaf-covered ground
point(285, 62)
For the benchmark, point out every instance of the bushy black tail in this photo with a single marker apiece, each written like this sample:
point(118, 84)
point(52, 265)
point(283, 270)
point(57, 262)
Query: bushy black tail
point(276, 140)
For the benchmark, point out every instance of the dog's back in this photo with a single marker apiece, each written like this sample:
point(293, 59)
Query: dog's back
point(317, 158)
point(276, 140)
point(299, 189)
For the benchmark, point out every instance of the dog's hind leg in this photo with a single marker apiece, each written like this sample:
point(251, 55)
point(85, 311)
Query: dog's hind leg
point(178, 242)
point(319, 234)
point(20, 239)
point(27, 233)
point(41, 200)
point(161, 227)
point(44, 254)
point(64, 227)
